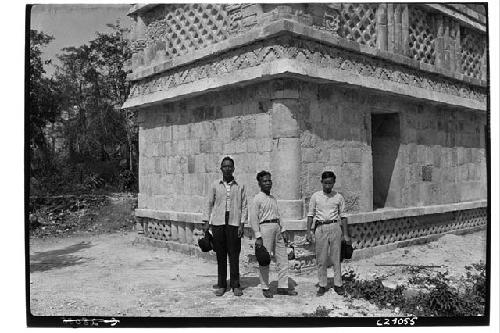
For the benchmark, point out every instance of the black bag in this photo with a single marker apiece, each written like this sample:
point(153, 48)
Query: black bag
point(345, 250)
point(262, 256)
point(206, 243)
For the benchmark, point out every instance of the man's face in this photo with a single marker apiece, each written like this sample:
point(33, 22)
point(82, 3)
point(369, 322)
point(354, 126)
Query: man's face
point(227, 168)
point(327, 184)
point(265, 183)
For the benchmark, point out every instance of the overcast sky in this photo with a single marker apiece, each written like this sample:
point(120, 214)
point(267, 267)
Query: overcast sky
point(74, 25)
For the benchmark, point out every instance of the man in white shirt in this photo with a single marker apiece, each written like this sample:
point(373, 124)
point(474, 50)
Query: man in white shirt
point(270, 232)
point(326, 210)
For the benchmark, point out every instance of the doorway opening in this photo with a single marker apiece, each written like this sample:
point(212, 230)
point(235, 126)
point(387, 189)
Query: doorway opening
point(385, 147)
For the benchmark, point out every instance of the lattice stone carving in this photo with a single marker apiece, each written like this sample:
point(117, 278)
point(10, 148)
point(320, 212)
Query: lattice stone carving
point(308, 52)
point(472, 47)
point(422, 41)
point(358, 23)
point(187, 27)
point(378, 233)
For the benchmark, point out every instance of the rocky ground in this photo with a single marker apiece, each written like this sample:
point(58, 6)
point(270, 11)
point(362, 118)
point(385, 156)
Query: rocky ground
point(108, 274)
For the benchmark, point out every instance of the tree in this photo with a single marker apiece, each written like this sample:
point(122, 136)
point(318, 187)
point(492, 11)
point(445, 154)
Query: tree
point(44, 100)
point(93, 82)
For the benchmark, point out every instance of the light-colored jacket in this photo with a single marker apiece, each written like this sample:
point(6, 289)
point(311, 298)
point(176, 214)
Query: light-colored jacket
point(215, 209)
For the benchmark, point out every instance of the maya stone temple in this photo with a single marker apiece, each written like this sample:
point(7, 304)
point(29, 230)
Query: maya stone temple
point(391, 97)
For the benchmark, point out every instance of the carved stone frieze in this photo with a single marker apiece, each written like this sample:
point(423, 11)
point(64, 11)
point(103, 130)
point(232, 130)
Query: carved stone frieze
point(306, 51)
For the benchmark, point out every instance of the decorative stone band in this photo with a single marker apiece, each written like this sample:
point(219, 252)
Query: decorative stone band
point(291, 56)
point(369, 238)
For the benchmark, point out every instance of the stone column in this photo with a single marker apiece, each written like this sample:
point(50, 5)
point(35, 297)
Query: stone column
point(458, 49)
point(453, 33)
point(439, 42)
point(398, 35)
point(390, 27)
point(286, 156)
point(405, 27)
point(382, 26)
point(446, 43)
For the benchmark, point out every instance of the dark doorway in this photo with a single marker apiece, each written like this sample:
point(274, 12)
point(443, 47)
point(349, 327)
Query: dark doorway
point(385, 146)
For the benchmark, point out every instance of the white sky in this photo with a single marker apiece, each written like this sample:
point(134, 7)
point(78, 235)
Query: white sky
point(74, 25)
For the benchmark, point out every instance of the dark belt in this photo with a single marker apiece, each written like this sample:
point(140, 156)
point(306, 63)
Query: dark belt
point(270, 221)
point(325, 222)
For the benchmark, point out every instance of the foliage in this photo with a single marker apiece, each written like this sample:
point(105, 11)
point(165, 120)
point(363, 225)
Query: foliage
point(43, 103)
point(99, 139)
point(436, 295)
point(320, 311)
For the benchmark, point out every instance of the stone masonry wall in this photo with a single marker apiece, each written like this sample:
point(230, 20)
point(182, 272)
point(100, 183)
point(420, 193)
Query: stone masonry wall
point(182, 144)
point(441, 157)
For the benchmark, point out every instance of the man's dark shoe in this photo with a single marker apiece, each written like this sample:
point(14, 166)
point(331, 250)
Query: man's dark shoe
point(321, 291)
point(267, 293)
point(237, 292)
point(339, 290)
point(287, 292)
point(220, 291)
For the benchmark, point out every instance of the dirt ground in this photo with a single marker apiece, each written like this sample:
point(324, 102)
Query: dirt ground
point(110, 275)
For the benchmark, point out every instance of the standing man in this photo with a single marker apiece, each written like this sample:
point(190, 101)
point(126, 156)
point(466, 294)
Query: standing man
point(227, 212)
point(326, 210)
point(270, 232)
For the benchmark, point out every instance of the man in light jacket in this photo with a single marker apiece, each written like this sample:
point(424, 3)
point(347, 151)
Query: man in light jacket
point(226, 211)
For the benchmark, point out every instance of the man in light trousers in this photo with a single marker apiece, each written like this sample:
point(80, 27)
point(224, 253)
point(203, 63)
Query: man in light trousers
point(270, 232)
point(326, 210)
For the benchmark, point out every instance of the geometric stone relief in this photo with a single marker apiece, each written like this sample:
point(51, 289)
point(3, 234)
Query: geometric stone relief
point(378, 233)
point(358, 23)
point(422, 33)
point(353, 21)
point(181, 28)
point(306, 51)
point(472, 47)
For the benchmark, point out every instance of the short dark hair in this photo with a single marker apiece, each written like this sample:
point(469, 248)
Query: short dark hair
point(328, 174)
point(227, 158)
point(262, 174)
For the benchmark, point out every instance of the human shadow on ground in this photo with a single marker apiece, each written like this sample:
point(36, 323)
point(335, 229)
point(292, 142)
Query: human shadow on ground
point(44, 261)
point(254, 281)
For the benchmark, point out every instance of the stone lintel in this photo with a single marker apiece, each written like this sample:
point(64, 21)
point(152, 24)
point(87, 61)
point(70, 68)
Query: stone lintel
point(478, 23)
point(294, 68)
point(291, 224)
point(299, 30)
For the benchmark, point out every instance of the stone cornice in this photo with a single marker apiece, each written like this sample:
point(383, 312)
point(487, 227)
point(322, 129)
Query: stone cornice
point(288, 56)
point(299, 30)
point(461, 13)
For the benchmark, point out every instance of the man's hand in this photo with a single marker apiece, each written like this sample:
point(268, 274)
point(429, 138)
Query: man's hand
point(286, 236)
point(309, 236)
point(347, 238)
point(206, 226)
point(259, 242)
point(240, 231)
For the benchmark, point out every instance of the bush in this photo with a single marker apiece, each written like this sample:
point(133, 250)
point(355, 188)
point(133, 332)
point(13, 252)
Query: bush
point(441, 300)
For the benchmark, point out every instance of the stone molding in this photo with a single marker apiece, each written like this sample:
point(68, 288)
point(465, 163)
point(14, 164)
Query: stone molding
point(347, 72)
point(462, 14)
point(379, 215)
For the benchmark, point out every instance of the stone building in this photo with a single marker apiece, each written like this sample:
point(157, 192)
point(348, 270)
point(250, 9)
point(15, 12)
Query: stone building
point(391, 97)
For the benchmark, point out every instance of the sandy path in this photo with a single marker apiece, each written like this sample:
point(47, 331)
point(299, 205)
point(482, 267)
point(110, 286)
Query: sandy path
point(108, 275)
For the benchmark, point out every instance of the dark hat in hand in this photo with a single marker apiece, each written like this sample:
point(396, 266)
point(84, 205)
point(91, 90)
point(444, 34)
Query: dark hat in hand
point(345, 250)
point(262, 256)
point(206, 243)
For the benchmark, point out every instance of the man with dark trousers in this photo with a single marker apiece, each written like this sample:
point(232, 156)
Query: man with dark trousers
point(226, 211)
